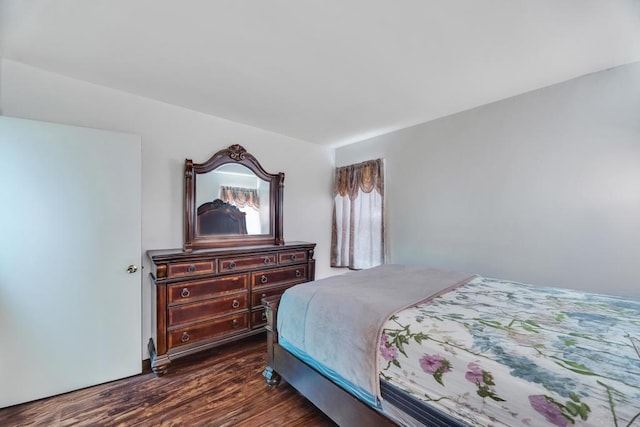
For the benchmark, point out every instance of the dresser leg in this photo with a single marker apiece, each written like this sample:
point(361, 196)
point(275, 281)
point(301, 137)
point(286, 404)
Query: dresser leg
point(159, 364)
point(159, 367)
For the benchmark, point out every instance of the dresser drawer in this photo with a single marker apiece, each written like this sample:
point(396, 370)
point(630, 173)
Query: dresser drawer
point(280, 276)
point(257, 295)
point(258, 318)
point(195, 290)
point(291, 257)
point(246, 263)
point(207, 309)
point(217, 328)
point(190, 268)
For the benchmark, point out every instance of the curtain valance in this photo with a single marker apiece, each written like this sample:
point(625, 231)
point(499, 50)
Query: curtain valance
point(240, 197)
point(365, 177)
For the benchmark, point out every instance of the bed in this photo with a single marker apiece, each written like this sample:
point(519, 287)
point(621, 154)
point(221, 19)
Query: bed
point(455, 349)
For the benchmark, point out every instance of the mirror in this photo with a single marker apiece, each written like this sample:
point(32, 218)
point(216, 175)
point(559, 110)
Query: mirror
point(231, 200)
point(245, 195)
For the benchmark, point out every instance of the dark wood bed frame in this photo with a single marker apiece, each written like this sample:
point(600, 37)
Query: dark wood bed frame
point(339, 405)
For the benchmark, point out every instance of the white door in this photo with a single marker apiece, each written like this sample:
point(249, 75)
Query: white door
point(70, 225)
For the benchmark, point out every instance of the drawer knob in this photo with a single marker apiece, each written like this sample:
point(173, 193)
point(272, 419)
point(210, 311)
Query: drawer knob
point(191, 268)
point(264, 316)
point(263, 279)
point(263, 296)
point(267, 260)
point(298, 273)
point(235, 303)
point(185, 293)
point(185, 337)
point(293, 257)
point(235, 323)
point(232, 264)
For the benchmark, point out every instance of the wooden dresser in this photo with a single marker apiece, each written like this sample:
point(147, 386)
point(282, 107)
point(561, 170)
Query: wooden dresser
point(210, 297)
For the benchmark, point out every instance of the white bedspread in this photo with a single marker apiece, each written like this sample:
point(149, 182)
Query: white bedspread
point(499, 353)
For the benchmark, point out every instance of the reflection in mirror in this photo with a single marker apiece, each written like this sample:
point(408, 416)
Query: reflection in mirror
point(232, 200)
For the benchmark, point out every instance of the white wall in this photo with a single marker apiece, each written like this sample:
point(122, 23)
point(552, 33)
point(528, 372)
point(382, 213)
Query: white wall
point(542, 188)
point(169, 135)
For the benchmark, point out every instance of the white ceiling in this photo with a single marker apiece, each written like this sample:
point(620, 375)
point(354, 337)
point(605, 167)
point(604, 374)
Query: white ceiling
point(324, 71)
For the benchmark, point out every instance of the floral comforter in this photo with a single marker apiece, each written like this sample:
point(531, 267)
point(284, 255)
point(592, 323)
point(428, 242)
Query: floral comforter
point(493, 352)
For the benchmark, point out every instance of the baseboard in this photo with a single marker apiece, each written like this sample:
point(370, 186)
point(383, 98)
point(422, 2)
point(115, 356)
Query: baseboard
point(146, 366)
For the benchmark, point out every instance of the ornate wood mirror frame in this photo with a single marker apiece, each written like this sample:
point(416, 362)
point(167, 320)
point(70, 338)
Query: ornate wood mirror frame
point(271, 232)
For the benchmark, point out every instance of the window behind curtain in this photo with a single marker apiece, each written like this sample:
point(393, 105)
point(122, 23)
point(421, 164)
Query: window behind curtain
point(357, 239)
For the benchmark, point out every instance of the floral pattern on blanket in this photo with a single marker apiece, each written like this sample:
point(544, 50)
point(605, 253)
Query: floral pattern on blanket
point(493, 352)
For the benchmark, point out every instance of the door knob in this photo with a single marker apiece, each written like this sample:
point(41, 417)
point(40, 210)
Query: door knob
point(132, 269)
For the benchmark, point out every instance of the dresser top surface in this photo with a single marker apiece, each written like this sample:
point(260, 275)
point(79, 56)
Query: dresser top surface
point(179, 254)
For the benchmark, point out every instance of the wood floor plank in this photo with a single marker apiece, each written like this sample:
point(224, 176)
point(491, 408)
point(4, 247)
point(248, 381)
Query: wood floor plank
point(221, 387)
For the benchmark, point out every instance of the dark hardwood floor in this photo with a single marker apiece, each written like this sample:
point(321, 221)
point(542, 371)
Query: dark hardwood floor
point(220, 387)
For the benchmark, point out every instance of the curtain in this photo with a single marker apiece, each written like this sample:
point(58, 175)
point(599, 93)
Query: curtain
point(357, 238)
point(240, 197)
